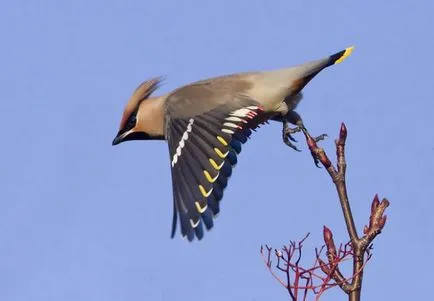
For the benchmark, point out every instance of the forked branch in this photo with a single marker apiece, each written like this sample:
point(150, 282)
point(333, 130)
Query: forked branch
point(299, 281)
point(377, 220)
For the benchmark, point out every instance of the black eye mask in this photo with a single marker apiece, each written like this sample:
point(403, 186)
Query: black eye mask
point(130, 123)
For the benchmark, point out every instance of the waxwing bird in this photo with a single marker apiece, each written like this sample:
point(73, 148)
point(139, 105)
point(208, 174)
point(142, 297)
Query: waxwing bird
point(206, 122)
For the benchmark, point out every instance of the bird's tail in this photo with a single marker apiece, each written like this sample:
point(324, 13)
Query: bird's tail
point(340, 56)
point(313, 67)
point(303, 73)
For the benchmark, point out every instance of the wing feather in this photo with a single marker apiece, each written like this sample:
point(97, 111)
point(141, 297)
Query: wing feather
point(203, 149)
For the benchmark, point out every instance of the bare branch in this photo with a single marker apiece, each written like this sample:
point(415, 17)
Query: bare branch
point(376, 222)
point(299, 281)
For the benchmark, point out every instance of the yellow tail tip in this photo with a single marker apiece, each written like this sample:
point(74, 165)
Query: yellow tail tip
point(344, 54)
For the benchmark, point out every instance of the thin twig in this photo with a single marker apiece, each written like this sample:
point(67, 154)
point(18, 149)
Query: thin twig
point(301, 280)
point(376, 223)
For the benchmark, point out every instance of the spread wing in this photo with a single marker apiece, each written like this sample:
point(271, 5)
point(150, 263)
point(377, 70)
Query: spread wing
point(206, 124)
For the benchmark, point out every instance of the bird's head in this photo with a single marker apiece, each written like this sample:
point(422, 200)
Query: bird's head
point(143, 116)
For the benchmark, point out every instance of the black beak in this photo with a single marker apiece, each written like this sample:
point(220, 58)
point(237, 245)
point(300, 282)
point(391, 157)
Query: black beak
point(117, 140)
point(129, 136)
point(121, 137)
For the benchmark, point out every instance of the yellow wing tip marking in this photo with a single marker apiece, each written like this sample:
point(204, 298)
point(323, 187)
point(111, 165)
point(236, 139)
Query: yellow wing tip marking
point(199, 208)
point(223, 141)
point(215, 165)
point(346, 54)
point(208, 176)
point(204, 192)
point(220, 154)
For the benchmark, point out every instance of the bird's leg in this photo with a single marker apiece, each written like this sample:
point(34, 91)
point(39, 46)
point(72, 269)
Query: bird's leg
point(294, 118)
point(286, 134)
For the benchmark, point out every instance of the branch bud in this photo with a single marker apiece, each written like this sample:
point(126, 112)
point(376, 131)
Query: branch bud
point(375, 203)
point(343, 133)
point(330, 244)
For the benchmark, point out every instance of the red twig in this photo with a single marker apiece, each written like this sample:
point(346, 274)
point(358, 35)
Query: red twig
point(377, 219)
point(299, 281)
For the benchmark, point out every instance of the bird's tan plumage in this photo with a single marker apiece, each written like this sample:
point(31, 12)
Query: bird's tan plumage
point(206, 122)
point(142, 92)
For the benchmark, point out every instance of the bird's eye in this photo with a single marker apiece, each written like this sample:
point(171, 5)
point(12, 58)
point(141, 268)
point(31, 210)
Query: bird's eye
point(132, 121)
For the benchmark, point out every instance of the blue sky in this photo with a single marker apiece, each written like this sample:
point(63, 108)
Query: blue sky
point(82, 220)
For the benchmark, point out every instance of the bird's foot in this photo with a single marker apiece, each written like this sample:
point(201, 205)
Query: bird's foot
point(320, 137)
point(287, 135)
point(315, 139)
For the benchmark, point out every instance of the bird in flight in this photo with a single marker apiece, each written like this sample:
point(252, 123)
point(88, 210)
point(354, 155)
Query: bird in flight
point(206, 122)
